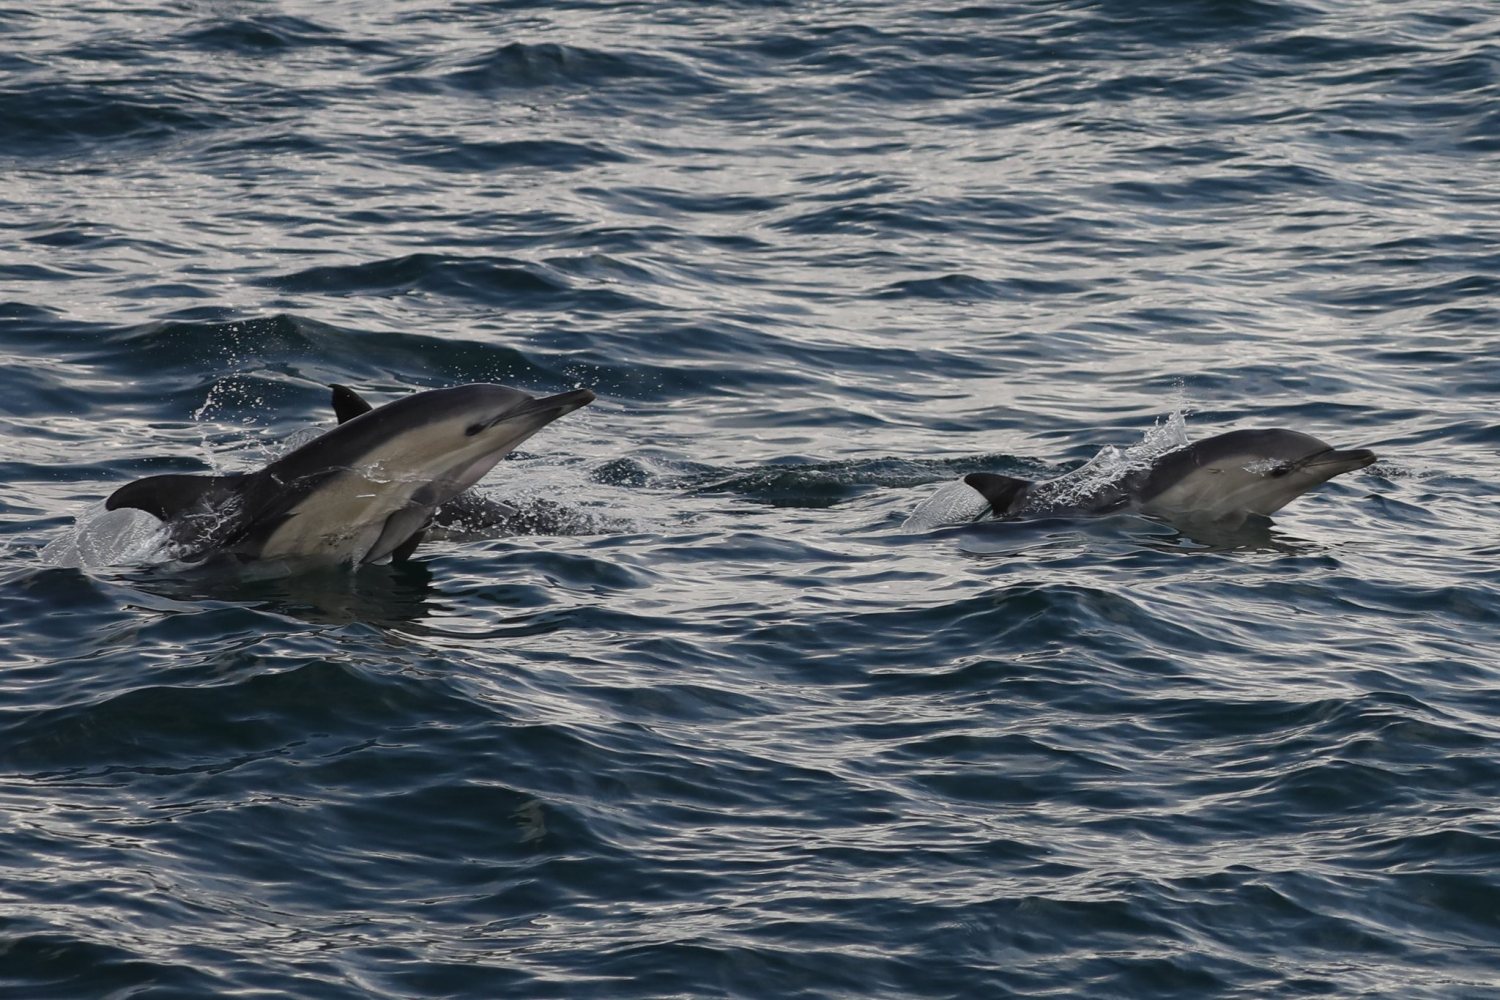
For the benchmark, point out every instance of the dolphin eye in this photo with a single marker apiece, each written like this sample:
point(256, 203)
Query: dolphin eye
point(473, 429)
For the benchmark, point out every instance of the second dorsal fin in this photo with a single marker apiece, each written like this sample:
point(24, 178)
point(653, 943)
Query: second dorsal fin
point(1001, 491)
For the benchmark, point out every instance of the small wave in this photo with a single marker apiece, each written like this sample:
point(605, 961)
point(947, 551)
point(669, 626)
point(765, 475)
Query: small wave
point(1158, 21)
point(495, 281)
point(821, 484)
point(454, 155)
point(534, 66)
point(871, 219)
point(548, 64)
point(282, 347)
point(58, 119)
point(66, 962)
point(420, 270)
point(966, 288)
point(261, 35)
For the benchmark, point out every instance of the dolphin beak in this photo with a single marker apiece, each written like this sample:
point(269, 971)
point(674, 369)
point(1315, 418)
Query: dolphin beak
point(1346, 461)
point(563, 402)
point(549, 408)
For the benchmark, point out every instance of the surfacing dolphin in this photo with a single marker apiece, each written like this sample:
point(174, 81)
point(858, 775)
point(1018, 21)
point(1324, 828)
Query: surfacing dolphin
point(364, 492)
point(1224, 477)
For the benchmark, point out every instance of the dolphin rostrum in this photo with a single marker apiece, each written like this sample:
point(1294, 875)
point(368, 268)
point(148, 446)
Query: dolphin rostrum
point(364, 492)
point(1219, 478)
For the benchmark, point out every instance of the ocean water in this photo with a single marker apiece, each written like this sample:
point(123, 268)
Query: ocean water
point(722, 728)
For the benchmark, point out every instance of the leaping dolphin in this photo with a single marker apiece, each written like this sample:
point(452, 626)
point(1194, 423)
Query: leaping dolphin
point(1219, 478)
point(364, 492)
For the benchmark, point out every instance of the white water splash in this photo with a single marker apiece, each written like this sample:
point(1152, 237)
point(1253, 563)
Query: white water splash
point(560, 497)
point(100, 538)
point(1168, 434)
point(1110, 466)
point(953, 503)
point(295, 440)
point(220, 434)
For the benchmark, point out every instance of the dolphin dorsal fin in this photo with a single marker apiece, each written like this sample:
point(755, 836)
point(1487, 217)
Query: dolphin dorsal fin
point(348, 404)
point(165, 497)
point(1000, 491)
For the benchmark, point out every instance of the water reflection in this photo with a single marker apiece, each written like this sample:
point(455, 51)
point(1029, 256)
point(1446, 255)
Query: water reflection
point(376, 595)
point(1102, 533)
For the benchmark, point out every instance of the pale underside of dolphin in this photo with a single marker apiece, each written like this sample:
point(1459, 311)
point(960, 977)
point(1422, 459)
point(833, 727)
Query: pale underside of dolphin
point(1225, 477)
point(364, 492)
point(468, 513)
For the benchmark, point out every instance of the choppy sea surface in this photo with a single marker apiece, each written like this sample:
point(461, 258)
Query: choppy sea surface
point(724, 729)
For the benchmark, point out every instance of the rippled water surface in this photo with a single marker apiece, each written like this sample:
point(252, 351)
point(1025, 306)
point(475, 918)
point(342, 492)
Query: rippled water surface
point(719, 727)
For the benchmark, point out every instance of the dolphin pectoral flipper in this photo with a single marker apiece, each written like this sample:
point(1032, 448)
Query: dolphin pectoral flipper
point(169, 496)
point(348, 404)
point(399, 538)
point(1001, 491)
point(407, 547)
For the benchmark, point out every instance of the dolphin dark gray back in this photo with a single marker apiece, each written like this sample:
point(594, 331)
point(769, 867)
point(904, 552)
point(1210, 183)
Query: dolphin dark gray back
point(346, 444)
point(1267, 444)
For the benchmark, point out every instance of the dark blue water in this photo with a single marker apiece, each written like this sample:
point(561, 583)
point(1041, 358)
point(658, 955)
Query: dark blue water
point(725, 730)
